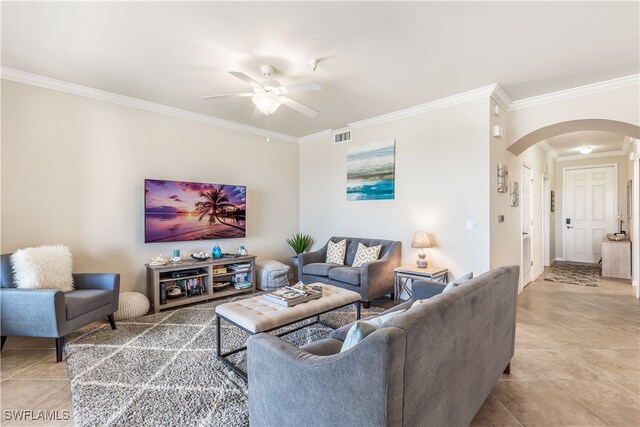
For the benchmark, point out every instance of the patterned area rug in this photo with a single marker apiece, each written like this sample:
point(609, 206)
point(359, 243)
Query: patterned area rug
point(161, 369)
point(574, 274)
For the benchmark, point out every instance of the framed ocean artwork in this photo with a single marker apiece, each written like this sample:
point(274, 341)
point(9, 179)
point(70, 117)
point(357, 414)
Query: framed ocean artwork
point(371, 171)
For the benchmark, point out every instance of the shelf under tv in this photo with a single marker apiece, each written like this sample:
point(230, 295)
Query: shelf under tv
point(156, 274)
point(173, 279)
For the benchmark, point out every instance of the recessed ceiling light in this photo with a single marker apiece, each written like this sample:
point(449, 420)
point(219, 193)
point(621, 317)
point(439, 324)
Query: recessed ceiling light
point(586, 150)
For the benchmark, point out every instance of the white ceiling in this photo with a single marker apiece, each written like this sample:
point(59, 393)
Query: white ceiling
point(379, 56)
point(602, 142)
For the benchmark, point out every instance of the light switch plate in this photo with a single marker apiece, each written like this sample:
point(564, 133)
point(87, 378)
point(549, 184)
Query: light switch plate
point(500, 218)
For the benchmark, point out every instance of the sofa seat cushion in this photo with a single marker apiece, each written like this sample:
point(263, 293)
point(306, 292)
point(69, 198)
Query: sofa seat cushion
point(349, 275)
point(83, 301)
point(318, 268)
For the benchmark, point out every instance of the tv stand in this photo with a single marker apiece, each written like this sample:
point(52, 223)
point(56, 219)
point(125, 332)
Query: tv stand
point(204, 273)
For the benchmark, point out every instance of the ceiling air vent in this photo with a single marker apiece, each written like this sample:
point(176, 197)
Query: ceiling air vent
point(340, 136)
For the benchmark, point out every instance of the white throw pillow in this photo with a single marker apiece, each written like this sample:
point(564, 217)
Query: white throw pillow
point(44, 267)
point(336, 252)
point(365, 255)
point(362, 328)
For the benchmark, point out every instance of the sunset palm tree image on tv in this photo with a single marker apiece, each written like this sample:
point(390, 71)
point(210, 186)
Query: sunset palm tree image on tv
point(179, 211)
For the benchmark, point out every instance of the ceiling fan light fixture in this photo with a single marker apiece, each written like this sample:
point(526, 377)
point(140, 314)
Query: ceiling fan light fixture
point(585, 150)
point(266, 102)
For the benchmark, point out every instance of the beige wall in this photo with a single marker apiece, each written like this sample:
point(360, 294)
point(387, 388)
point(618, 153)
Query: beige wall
point(73, 171)
point(506, 242)
point(620, 161)
point(441, 182)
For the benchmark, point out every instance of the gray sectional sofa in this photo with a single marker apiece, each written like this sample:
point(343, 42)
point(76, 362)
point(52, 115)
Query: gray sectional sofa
point(434, 365)
point(371, 281)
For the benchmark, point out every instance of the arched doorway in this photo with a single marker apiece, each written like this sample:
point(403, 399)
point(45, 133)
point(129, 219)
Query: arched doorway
point(561, 128)
point(545, 133)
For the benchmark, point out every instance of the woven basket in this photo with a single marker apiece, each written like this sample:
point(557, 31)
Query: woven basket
point(130, 305)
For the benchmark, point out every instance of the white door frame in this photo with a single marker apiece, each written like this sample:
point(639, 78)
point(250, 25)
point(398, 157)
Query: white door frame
point(564, 199)
point(522, 166)
point(635, 201)
point(546, 222)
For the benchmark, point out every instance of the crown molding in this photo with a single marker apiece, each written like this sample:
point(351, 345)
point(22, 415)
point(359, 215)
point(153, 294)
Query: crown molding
point(472, 95)
point(501, 97)
point(576, 92)
point(592, 155)
point(114, 98)
point(315, 136)
point(549, 149)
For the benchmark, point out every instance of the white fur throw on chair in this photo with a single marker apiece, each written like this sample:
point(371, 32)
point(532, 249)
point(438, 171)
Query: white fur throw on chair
point(43, 267)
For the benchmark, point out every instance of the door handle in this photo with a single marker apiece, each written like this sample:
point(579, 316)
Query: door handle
point(568, 226)
point(525, 234)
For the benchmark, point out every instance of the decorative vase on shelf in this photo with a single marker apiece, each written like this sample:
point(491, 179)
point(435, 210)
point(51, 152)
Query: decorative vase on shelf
point(216, 252)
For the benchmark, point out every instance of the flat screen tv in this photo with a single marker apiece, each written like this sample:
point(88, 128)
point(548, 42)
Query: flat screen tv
point(180, 211)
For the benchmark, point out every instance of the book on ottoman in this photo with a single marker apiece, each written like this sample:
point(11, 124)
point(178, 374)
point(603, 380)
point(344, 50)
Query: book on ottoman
point(289, 296)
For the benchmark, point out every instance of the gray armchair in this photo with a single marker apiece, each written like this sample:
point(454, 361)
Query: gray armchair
point(424, 289)
point(371, 281)
point(53, 313)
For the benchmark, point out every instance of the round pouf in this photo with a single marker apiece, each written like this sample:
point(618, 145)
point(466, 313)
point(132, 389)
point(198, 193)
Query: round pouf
point(130, 305)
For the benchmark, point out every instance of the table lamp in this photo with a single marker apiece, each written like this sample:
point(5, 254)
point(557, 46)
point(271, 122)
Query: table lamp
point(421, 240)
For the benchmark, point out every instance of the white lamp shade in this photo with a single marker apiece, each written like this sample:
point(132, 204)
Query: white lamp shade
point(421, 240)
point(267, 103)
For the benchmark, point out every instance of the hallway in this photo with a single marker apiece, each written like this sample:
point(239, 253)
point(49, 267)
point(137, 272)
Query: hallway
point(577, 359)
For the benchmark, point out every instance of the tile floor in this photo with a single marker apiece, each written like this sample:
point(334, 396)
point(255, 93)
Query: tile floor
point(577, 363)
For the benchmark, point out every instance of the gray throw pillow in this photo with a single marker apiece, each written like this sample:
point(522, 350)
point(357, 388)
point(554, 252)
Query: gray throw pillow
point(457, 282)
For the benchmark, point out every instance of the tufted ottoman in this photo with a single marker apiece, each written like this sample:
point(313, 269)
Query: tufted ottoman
point(130, 305)
point(255, 315)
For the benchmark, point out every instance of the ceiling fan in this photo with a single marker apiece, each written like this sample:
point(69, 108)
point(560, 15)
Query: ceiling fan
point(268, 94)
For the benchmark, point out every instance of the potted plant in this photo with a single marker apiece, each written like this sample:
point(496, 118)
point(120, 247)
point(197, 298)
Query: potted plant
point(299, 243)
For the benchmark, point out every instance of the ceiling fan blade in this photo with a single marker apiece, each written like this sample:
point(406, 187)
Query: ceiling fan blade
point(256, 114)
point(295, 105)
point(228, 95)
point(245, 78)
point(301, 87)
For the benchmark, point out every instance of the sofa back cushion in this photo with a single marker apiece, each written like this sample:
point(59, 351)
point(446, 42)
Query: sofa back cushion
point(352, 246)
point(460, 342)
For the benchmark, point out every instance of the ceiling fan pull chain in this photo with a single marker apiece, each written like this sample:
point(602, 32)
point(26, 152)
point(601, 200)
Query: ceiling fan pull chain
point(268, 139)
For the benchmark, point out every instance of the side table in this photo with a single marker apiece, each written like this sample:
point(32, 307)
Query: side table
point(406, 274)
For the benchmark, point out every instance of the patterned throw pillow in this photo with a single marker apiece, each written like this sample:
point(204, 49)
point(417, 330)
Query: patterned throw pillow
point(336, 252)
point(365, 255)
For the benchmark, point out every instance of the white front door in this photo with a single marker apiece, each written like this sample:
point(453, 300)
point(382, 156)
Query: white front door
point(589, 211)
point(526, 199)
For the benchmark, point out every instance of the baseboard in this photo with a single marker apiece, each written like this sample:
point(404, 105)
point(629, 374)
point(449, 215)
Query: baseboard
point(634, 282)
point(537, 274)
point(558, 259)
